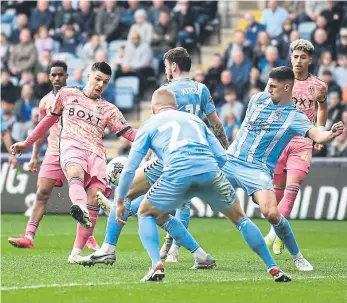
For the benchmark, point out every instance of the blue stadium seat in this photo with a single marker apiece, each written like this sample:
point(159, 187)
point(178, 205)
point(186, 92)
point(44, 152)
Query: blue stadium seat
point(6, 28)
point(124, 98)
point(130, 82)
point(74, 63)
point(305, 29)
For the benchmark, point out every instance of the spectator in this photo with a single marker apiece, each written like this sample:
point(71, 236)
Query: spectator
point(77, 78)
point(44, 62)
point(205, 11)
point(42, 86)
point(43, 42)
point(128, 16)
point(260, 47)
point(254, 90)
point(27, 77)
point(240, 70)
point(335, 109)
point(240, 44)
point(22, 22)
point(199, 76)
point(320, 44)
point(163, 37)
point(23, 55)
point(254, 82)
point(90, 49)
point(341, 71)
point(282, 42)
point(273, 18)
point(232, 105)
point(108, 20)
point(4, 51)
point(342, 46)
point(155, 10)
point(334, 15)
point(137, 60)
point(119, 57)
point(270, 61)
point(65, 15)
point(327, 77)
point(253, 28)
point(9, 119)
point(41, 16)
point(85, 19)
point(142, 26)
point(226, 83)
point(34, 120)
point(313, 9)
point(338, 148)
point(68, 40)
point(213, 75)
point(9, 92)
point(325, 63)
point(231, 126)
point(23, 106)
point(185, 20)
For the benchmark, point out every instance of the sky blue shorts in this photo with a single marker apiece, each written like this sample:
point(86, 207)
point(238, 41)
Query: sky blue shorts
point(172, 191)
point(246, 175)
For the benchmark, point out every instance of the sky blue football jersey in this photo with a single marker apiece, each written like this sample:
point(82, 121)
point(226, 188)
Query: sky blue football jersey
point(266, 130)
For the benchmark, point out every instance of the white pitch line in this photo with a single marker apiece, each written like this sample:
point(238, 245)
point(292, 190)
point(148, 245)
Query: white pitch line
point(9, 288)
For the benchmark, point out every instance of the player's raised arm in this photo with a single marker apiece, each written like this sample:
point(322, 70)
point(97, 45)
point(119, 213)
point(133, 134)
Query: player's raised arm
point(323, 137)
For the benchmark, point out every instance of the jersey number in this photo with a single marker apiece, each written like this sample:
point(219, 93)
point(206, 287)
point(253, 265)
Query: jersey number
point(190, 109)
point(176, 129)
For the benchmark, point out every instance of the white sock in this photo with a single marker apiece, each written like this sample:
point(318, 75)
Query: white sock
point(29, 237)
point(108, 248)
point(76, 251)
point(200, 254)
point(271, 235)
point(299, 255)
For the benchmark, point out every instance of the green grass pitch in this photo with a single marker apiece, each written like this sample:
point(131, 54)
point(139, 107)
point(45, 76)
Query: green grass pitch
point(42, 274)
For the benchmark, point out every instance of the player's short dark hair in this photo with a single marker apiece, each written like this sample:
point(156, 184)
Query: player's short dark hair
point(102, 67)
point(180, 56)
point(59, 63)
point(282, 73)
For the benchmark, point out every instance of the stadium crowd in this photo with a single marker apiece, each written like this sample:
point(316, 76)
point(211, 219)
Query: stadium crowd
point(134, 35)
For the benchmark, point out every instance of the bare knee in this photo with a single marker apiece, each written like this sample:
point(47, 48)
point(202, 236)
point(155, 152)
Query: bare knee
point(161, 219)
point(43, 194)
point(75, 171)
point(272, 215)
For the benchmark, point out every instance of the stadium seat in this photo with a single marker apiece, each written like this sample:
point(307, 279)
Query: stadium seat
point(74, 63)
point(130, 82)
point(305, 29)
point(124, 98)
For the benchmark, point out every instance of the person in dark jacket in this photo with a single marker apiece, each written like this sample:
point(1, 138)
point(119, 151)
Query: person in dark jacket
point(214, 73)
point(85, 19)
point(185, 20)
point(24, 105)
point(40, 16)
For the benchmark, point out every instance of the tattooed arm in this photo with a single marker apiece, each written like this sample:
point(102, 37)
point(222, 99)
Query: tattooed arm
point(218, 130)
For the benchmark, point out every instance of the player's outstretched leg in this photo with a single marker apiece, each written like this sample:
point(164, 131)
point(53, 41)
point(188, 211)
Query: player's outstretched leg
point(44, 190)
point(107, 252)
point(182, 214)
point(279, 182)
point(268, 205)
point(82, 234)
point(254, 238)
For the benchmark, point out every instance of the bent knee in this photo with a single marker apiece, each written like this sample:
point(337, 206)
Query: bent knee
point(42, 194)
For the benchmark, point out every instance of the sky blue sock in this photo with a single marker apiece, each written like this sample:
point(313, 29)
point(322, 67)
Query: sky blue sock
point(255, 241)
point(135, 204)
point(285, 233)
point(180, 234)
point(113, 228)
point(149, 236)
point(183, 214)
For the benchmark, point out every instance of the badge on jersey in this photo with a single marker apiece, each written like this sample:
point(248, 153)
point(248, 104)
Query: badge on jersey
point(100, 109)
point(311, 90)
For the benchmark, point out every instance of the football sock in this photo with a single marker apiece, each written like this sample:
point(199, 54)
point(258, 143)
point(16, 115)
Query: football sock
point(183, 214)
point(31, 228)
point(285, 233)
point(255, 241)
point(149, 236)
point(286, 205)
point(77, 193)
point(113, 228)
point(182, 236)
point(83, 234)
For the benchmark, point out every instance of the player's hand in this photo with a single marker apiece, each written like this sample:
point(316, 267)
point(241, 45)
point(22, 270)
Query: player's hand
point(18, 148)
point(318, 147)
point(33, 164)
point(337, 129)
point(12, 160)
point(120, 211)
